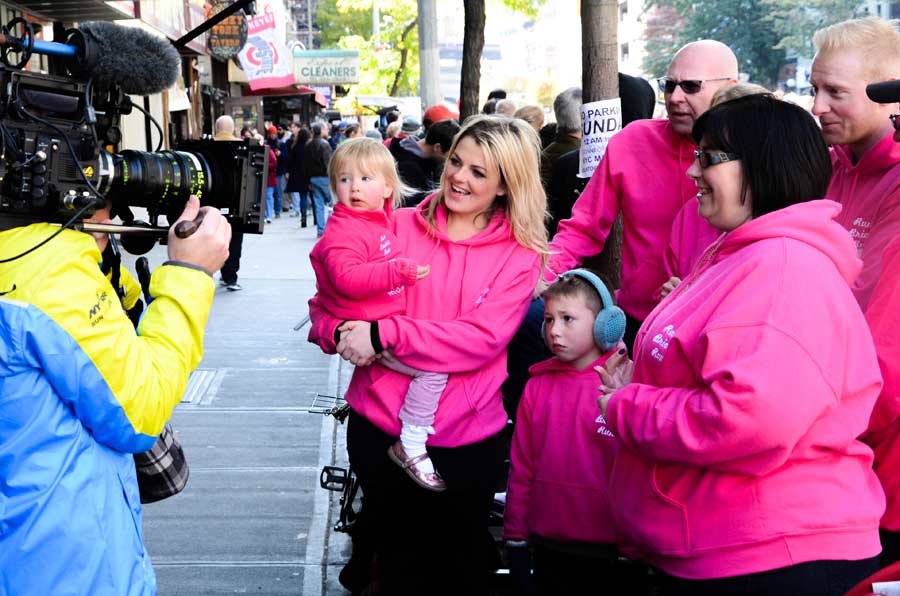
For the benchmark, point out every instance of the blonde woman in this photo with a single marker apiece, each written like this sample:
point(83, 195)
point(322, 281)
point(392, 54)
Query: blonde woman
point(483, 237)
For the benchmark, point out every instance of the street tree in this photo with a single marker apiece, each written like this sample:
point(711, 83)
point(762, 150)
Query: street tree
point(388, 53)
point(795, 21)
point(741, 24)
point(473, 45)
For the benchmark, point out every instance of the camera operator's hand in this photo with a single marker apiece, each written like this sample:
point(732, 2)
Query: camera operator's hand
point(208, 246)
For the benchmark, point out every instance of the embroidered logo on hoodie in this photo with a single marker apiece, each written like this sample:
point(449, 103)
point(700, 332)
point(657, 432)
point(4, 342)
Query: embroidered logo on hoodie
point(661, 341)
point(384, 245)
point(602, 430)
point(859, 232)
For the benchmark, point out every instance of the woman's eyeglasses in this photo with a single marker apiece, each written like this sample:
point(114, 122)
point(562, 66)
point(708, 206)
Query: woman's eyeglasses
point(714, 158)
point(894, 118)
point(689, 86)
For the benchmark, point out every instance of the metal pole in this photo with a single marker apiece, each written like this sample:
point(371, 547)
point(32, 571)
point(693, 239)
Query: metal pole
point(429, 54)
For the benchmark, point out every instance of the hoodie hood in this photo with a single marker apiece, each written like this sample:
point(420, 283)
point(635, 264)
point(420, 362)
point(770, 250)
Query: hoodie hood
point(498, 228)
point(884, 155)
point(555, 365)
point(411, 144)
point(812, 223)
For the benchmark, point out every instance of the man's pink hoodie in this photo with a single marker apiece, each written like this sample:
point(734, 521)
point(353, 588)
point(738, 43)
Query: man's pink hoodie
point(562, 454)
point(883, 435)
point(869, 192)
point(641, 176)
point(690, 237)
point(360, 275)
point(738, 449)
point(458, 320)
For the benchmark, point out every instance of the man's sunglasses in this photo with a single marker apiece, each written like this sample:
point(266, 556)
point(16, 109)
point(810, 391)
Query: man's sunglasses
point(714, 158)
point(689, 86)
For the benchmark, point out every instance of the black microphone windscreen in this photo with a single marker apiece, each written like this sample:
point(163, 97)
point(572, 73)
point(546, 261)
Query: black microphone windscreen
point(887, 92)
point(135, 60)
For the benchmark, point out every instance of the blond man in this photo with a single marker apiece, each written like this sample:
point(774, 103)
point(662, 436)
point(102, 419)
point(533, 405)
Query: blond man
point(865, 159)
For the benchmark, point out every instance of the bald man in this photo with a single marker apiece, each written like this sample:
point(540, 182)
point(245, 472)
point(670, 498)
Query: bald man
point(225, 129)
point(642, 176)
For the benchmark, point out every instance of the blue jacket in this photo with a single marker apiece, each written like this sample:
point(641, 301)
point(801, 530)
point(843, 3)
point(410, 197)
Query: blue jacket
point(79, 393)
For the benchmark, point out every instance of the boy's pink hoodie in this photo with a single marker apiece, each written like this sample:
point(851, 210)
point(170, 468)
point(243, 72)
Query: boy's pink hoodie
point(883, 435)
point(738, 449)
point(562, 454)
point(458, 320)
point(360, 275)
point(691, 236)
point(642, 176)
point(869, 192)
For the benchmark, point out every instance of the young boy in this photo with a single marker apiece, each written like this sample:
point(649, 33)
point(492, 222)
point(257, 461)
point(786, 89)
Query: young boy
point(562, 452)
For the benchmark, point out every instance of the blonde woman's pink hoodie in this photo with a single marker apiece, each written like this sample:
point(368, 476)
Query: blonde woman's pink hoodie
point(642, 177)
point(562, 454)
point(883, 435)
point(738, 449)
point(869, 192)
point(458, 320)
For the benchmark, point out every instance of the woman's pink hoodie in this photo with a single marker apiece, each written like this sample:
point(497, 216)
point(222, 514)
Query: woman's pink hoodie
point(738, 449)
point(562, 454)
point(458, 320)
point(883, 316)
point(360, 275)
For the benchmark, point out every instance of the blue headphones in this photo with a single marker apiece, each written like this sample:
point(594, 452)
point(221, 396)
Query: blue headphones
point(609, 324)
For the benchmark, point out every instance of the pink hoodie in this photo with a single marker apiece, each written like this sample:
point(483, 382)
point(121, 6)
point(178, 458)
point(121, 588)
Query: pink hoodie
point(562, 454)
point(883, 435)
point(359, 275)
point(458, 320)
point(641, 176)
point(738, 448)
point(691, 236)
point(870, 194)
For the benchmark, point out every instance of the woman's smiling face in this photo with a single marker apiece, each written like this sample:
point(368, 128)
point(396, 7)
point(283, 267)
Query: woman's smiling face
point(719, 192)
point(471, 183)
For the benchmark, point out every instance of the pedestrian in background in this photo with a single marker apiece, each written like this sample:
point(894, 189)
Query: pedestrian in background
point(316, 155)
point(297, 182)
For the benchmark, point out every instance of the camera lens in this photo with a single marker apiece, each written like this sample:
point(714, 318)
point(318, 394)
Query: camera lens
point(161, 182)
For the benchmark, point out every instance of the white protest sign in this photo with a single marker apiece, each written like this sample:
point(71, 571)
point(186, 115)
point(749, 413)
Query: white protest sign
point(600, 120)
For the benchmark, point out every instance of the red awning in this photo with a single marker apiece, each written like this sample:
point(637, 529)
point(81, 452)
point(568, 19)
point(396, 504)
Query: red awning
point(292, 90)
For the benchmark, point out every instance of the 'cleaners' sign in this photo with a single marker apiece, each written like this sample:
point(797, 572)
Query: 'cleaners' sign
point(600, 120)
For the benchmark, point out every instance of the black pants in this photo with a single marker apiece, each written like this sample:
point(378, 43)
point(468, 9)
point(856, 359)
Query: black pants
point(557, 572)
point(890, 547)
point(233, 263)
point(426, 542)
point(815, 578)
point(526, 348)
point(632, 326)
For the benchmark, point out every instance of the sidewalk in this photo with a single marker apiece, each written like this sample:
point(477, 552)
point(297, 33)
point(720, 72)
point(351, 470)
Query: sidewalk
point(253, 518)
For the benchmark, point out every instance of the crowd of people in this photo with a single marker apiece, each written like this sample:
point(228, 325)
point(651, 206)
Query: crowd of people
point(724, 422)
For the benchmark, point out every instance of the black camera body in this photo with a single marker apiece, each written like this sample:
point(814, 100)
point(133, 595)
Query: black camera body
point(59, 138)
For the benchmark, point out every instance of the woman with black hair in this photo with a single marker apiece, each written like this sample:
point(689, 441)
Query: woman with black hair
point(739, 469)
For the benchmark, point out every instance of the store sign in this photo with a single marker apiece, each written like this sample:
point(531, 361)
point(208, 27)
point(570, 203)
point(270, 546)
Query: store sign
point(264, 57)
point(228, 37)
point(326, 67)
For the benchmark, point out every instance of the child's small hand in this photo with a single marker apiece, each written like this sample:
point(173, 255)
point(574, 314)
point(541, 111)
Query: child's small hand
point(422, 271)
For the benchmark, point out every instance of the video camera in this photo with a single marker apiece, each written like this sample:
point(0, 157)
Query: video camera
point(58, 136)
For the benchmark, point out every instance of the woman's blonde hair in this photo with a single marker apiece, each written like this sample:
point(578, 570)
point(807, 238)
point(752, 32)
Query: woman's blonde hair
point(533, 115)
point(512, 147)
point(370, 157)
point(736, 90)
point(393, 129)
point(877, 39)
